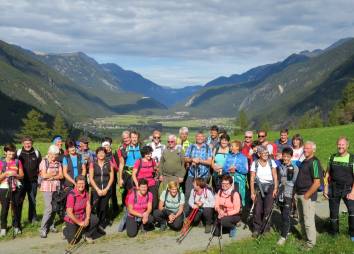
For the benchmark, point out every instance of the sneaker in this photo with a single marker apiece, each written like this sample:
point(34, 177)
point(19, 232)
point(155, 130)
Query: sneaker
point(3, 232)
point(281, 241)
point(308, 246)
point(207, 229)
point(89, 240)
point(17, 231)
point(232, 233)
point(43, 234)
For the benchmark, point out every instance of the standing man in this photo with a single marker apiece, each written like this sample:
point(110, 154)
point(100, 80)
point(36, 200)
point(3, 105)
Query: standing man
point(262, 139)
point(247, 149)
point(30, 159)
point(283, 141)
point(213, 139)
point(157, 147)
point(183, 141)
point(307, 184)
point(340, 179)
point(85, 151)
point(198, 158)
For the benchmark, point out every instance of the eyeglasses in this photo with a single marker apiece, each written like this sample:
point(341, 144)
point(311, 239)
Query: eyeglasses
point(171, 142)
point(156, 138)
point(261, 136)
point(225, 183)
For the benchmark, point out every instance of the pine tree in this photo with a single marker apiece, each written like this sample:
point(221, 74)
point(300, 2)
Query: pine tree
point(59, 127)
point(33, 126)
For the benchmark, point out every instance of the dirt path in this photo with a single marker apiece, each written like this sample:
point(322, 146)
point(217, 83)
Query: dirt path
point(154, 242)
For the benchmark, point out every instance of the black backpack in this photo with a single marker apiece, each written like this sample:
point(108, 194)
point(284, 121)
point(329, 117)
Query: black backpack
point(166, 194)
point(59, 201)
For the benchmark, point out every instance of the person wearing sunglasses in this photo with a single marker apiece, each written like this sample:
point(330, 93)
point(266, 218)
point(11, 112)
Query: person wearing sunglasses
point(157, 147)
point(247, 146)
point(171, 166)
point(262, 139)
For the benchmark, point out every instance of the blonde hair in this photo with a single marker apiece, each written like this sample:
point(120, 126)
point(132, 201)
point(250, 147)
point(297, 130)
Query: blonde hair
point(172, 185)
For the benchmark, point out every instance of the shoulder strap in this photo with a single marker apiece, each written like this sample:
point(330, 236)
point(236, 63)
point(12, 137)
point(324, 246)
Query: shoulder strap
point(270, 164)
point(19, 152)
point(139, 167)
point(4, 164)
point(166, 194)
point(73, 194)
point(256, 165)
point(135, 196)
point(232, 195)
point(36, 153)
point(17, 163)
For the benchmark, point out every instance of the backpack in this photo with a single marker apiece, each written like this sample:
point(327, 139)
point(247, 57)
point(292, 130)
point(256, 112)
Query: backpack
point(4, 164)
point(123, 151)
point(136, 197)
point(20, 150)
point(166, 194)
point(59, 201)
point(231, 195)
point(140, 166)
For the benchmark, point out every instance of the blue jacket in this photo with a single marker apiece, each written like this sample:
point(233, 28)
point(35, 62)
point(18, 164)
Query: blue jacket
point(238, 160)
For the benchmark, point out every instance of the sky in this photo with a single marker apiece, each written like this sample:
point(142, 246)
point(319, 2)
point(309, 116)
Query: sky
point(178, 43)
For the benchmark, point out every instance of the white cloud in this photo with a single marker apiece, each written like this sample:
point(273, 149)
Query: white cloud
point(225, 36)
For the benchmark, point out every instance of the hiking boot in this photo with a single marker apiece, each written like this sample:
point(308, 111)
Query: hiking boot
point(101, 230)
point(89, 240)
point(43, 234)
point(281, 241)
point(3, 232)
point(232, 233)
point(255, 234)
point(163, 227)
point(17, 231)
point(207, 229)
point(238, 224)
point(308, 246)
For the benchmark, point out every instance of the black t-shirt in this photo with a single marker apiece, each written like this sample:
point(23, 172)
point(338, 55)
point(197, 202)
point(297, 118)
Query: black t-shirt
point(309, 170)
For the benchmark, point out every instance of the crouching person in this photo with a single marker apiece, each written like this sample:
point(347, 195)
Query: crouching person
point(78, 214)
point(227, 205)
point(139, 205)
point(202, 198)
point(170, 210)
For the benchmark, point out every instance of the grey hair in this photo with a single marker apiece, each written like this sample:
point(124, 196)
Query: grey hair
point(125, 133)
point(183, 130)
point(249, 132)
point(171, 136)
point(262, 149)
point(313, 144)
point(53, 149)
point(343, 138)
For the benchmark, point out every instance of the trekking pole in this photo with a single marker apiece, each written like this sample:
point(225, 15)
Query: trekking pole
point(187, 225)
point(217, 223)
point(12, 208)
point(249, 217)
point(266, 221)
point(72, 243)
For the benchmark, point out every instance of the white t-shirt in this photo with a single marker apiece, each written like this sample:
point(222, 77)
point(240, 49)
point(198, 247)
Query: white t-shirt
point(298, 154)
point(264, 174)
point(157, 151)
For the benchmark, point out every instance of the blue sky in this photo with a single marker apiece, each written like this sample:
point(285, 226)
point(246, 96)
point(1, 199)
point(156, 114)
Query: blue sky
point(178, 43)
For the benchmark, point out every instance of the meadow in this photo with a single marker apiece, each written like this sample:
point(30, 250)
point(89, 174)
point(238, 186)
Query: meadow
point(325, 138)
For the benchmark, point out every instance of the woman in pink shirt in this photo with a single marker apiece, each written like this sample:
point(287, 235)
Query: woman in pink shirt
point(51, 172)
point(11, 171)
point(146, 168)
point(139, 205)
point(227, 205)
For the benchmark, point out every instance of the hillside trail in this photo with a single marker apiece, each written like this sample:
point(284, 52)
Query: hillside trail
point(113, 242)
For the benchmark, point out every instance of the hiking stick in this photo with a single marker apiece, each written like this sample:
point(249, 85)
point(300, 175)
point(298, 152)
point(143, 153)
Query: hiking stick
point(249, 217)
point(187, 225)
point(71, 245)
point(266, 221)
point(12, 208)
point(212, 236)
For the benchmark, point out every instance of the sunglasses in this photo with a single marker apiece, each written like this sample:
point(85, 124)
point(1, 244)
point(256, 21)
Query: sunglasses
point(247, 137)
point(261, 136)
point(156, 138)
point(170, 142)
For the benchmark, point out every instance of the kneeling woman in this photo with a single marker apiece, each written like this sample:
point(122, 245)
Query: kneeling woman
point(101, 179)
point(170, 208)
point(139, 205)
point(202, 198)
point(78, 214)
point(227, 205)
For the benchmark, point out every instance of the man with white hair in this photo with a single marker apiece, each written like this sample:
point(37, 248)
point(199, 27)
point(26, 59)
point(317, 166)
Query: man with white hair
point(171, 166)
point(183, 141)
point(157, 147)
point(307, 184)
point(340, 175)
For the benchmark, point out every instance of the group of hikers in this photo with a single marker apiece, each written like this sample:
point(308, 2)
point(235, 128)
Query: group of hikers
point(209, 181)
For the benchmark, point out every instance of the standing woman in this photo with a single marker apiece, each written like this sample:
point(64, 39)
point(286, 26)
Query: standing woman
point(73, 164)
point(298, 149)
point(101, 179)
point(51, 173)
point(10, 175)
point(146, 168)
point(237, 166)
point(219, 157)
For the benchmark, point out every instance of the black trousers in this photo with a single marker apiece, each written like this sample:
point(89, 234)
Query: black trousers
point(71, 229)
point(99, 206)
point(127, 185)
point(5, 199)
point(227, 222)
point(30, 189)
point(162, 217)
point(286, 209)
point(204, 214)
point(155, 195)
point(262, 208)
point(134, 223)
point(114, 197)
point(336, 193)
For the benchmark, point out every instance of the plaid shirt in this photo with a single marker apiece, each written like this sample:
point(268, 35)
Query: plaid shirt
point(204, 153)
